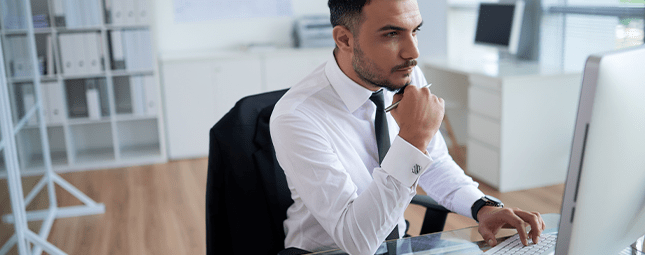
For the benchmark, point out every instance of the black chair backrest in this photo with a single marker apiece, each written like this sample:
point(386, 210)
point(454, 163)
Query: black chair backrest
point(246, 193)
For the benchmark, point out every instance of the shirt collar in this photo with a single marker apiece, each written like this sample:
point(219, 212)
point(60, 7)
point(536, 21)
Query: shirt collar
point(353, 94)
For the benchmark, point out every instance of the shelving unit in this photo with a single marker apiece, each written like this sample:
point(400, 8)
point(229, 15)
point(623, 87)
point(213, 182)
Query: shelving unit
point(84, 142)
point(79, 90)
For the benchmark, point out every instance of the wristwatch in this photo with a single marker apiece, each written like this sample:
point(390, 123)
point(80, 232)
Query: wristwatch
point(485, 200)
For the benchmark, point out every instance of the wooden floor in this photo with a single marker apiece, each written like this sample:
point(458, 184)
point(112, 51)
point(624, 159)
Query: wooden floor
point(160, 209)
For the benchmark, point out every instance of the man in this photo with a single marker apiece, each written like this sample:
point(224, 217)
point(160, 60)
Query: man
point(345, 194)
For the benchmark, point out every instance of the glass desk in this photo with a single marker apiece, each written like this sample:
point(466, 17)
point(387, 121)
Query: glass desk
point(461, 241)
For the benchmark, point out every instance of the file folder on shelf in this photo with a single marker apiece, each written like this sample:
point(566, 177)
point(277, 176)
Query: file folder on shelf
point(28, 101)
point(92, 53)
point(55, 102)
point(137, 95)
point(145, 47)
point(117, 12)
point(59, 12)
point(49, 58)
point(92, 98)
point(129, 11)
point(130, 46)
point(52, 103)
point(150, 88)
point(118, 54)
point(67, 52)
point(143, 17)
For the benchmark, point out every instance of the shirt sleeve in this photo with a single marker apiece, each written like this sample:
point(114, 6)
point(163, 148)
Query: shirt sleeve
point(357, 223)
point(446, 182)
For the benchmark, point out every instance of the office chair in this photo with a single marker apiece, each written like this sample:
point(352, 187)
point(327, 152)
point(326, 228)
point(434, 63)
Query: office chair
point(246, 192)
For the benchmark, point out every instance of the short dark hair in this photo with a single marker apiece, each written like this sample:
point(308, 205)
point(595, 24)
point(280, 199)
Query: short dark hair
point(346, 13)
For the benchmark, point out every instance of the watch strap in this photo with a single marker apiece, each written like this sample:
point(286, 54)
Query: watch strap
point(474, 210)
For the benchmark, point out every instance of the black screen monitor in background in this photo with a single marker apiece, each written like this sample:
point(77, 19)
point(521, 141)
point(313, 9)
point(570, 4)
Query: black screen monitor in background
point(499, 25)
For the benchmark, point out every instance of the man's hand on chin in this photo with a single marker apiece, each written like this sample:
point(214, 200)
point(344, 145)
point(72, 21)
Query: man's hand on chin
point(492, 219)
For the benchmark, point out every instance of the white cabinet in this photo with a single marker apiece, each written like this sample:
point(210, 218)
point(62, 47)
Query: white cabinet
point(285, 70)
point(520, 118)
point(199, 88)
point(520, 129)
point(198, 93)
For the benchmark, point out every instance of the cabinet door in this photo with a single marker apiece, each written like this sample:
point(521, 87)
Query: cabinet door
point(285, 70)
point(234, 79)
point(198, 94)
point(189, 103)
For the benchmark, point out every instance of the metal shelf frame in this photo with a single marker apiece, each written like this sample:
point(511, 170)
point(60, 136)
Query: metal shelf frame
point(26, 240)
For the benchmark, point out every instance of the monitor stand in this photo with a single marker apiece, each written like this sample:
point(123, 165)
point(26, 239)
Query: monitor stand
point(505, 56)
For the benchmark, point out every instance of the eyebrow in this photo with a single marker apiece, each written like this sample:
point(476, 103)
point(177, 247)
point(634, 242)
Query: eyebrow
point(396, 28)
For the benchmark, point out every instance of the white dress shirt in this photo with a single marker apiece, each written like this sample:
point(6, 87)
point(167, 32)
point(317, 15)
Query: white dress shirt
point(323, 133)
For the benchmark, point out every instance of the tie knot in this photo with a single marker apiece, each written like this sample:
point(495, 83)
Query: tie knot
point(377, 98)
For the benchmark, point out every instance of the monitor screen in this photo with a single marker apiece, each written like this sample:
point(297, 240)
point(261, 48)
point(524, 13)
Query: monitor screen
point(603, 207)
point(499, 25)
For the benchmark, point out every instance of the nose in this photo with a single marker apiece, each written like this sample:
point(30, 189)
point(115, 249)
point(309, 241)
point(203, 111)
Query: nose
point(409, 49)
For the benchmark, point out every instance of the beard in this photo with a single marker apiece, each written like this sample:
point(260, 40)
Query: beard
point(369, 72)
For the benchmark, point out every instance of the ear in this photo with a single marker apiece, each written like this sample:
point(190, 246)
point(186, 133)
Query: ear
point(344, 38)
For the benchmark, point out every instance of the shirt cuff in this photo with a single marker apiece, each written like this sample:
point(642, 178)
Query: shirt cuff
point(464, 199)
point(405, 162)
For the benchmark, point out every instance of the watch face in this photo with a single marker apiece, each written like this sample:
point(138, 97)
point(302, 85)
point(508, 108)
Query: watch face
point(490, 200)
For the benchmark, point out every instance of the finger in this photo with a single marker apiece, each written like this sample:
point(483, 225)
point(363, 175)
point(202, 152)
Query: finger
point(541, 220)
point(488, 235)
point(517, 223)
point(533, 220)
point(396, 98)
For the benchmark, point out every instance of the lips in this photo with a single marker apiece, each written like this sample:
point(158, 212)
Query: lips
point(405, 67)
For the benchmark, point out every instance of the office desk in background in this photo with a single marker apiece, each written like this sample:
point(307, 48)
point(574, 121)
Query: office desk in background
point(519, 118)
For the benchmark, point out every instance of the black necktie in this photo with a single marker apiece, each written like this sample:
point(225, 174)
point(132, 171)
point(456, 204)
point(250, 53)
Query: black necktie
point(380, 124)
point(382, 139)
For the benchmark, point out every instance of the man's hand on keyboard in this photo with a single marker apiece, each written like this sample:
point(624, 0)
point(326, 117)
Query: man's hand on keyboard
point(492, 219)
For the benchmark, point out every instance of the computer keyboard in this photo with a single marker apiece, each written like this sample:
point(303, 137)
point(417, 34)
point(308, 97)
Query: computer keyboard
point(513, 245)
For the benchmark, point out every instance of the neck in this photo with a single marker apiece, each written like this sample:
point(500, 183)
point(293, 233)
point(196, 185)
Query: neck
point(344, 61)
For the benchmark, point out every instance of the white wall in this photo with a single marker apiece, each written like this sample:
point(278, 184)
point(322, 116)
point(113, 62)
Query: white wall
point(226, 34)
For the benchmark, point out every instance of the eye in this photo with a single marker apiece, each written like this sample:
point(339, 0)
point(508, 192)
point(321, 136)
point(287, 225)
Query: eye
point(392, 34)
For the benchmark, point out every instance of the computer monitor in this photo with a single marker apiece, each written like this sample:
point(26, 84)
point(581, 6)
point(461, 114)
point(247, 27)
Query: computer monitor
point(603, 208)
point(499, 25)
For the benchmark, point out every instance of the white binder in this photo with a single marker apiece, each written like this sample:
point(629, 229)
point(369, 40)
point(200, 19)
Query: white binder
point(116, 39)
point(130, 45)
point(150, 88)
point(67, 52)
point(94, 12)
point(59, 8)
point(117, 12)
point(137, 95)
point(55, 102)
point(143, 16)
point(92, 98)
point(44, 93)
point(22, 67)
point(146, 56)
point(29, 101)
point(92, 57)
point(72, 16)
point(129, 9)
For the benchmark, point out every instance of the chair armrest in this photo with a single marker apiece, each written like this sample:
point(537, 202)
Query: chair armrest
point(435, 217)
point(428, 202)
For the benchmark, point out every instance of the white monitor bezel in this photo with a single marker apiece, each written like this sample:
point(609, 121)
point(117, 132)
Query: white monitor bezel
point(514, 39)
